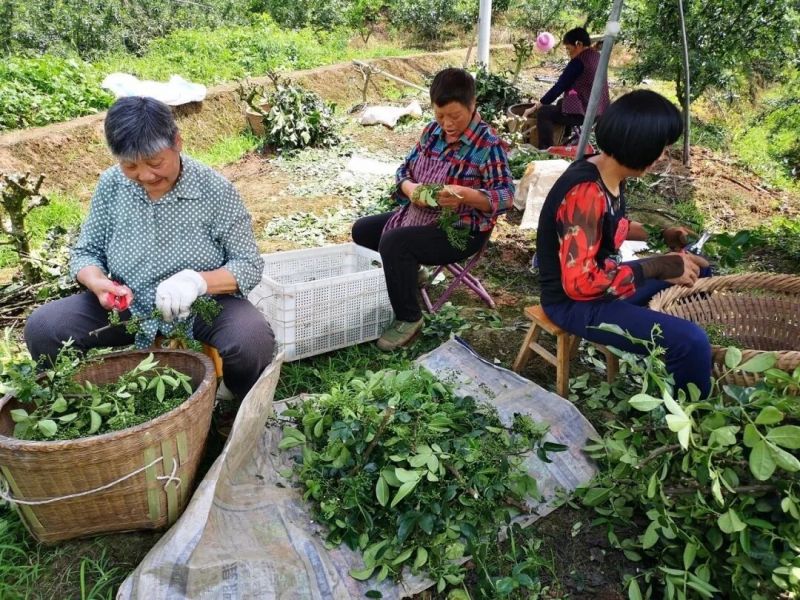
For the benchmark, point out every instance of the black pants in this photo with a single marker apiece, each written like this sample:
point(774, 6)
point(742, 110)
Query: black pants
point(549, 115)
point(403, 250)
point(240, 333)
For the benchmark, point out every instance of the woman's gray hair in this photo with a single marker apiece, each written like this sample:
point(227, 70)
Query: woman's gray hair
point(138, 127)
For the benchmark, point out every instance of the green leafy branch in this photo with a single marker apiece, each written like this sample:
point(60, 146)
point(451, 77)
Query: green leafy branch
point(204, 307)
point(449, 220)
point(713, 481)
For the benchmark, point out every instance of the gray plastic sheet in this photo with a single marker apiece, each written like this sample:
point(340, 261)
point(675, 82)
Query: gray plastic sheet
point(248, 534)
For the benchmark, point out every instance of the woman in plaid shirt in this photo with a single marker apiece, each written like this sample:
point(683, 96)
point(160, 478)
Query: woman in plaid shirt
point(457, 150)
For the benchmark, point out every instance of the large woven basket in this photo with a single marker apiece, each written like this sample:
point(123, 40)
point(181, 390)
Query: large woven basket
point(759, 311)
point(169, 446)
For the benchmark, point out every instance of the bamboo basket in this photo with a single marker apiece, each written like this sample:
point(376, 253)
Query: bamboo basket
point(528, 126)
point(255, 120)
point(137, 478)
point(761, 312)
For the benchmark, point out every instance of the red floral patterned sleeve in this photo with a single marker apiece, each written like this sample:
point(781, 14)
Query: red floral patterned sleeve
point(579, 220)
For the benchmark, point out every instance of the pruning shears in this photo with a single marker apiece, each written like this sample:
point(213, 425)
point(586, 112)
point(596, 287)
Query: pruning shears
point(697, 247)
point(117, 303)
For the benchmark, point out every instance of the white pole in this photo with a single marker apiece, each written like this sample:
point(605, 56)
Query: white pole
point(600, 76)
point(484, 29)
point(687, 119)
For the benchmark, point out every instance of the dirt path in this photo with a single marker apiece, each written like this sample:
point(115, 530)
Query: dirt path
point(72, 154)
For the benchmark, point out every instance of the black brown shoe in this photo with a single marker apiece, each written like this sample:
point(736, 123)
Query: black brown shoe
point(399, 334)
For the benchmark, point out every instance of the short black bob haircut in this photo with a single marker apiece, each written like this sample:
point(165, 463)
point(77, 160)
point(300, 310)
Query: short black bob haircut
point(637, 127)
point(579, 34)
point(453, 85)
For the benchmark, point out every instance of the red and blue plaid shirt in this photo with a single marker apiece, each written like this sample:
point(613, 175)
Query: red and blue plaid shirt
point(477, 160)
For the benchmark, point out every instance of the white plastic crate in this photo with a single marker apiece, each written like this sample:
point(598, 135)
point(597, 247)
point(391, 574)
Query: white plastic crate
point(321, 299)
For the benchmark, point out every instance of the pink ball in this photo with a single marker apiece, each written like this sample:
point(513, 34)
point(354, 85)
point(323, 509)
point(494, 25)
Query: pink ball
point(545, 41)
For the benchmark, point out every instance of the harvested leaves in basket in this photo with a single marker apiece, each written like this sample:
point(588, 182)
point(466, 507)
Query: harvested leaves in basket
point(55, 406)
point(449, 220)
point(409, 474)
point(717, 335)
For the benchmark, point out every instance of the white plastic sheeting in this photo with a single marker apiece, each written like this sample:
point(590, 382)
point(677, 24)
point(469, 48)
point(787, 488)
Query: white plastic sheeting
point(174, 92)
point(389, 115)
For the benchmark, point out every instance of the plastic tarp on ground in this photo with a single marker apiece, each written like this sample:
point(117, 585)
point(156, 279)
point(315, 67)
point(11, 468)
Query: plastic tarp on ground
point(247, 533)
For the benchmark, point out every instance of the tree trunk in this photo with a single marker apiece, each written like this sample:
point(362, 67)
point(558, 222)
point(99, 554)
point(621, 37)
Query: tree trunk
point(19, 197)
point(22, 246)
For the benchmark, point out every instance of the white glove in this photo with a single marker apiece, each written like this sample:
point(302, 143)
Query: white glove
point(175, 295)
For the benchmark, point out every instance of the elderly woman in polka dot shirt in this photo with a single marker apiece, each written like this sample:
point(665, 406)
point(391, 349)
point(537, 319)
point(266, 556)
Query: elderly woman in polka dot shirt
point(162, 230)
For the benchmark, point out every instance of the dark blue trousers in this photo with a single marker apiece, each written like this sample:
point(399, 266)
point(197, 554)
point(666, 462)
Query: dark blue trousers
point(688, 351)
point(240, 333)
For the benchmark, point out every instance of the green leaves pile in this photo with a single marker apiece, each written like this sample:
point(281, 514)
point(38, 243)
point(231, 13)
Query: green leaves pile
point(413, 477)
point(712, 483)
point(57, 407)
point(297, 118)
point(449, 220)
point(494, 94)
point(520, 158)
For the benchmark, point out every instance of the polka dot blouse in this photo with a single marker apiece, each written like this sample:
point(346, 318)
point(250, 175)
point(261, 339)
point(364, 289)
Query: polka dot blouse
point(200, 224)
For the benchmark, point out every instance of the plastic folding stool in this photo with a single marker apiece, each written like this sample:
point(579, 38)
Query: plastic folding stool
point(461, 275)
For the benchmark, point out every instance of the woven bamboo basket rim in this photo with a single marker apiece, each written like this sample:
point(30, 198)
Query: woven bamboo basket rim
point(738, 296)
point(786, 285)
point(11, 442)
point(780, 286)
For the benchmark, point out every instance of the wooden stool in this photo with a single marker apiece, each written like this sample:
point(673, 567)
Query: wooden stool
point(212, 353)
point(566, 349)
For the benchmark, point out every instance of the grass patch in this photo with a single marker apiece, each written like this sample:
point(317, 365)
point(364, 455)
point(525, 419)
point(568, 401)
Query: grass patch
point(20, 559)
point(227, 150)
point(709, 135)
point(47, 89)
point(760, 130)
point(229, 53)
point(88, 569)
point(753, 147)
point(62, 210)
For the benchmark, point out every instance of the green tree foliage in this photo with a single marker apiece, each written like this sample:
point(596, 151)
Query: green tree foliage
point(433, 20)
point(730, 41)
point(91, 28)
point(535, 16)
point(318, 14)
point(363, 16)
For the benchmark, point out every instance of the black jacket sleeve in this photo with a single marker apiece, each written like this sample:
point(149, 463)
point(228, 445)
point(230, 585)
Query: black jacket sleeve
point(568, 76)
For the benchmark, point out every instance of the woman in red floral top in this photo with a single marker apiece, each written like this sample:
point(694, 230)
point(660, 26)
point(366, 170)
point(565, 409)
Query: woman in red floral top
point(582, 226)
